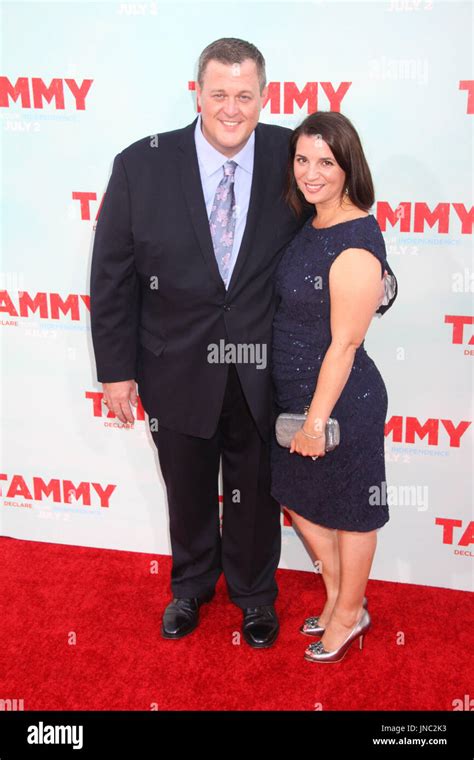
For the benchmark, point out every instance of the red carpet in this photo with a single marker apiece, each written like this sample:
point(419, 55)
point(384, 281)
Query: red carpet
point(110, 605)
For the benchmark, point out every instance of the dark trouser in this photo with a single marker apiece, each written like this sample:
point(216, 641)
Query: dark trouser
point(249, 550)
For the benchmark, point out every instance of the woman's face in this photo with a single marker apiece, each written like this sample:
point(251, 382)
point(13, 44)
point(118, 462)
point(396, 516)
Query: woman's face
point(317, 173)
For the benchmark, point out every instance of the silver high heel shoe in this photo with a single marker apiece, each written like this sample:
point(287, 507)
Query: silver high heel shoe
point(311, 625)
point(316, 652)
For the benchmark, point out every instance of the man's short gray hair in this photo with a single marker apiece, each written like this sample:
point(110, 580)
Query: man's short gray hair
point(231, 50)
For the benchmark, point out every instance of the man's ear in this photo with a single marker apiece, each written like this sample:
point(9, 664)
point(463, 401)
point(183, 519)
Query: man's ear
point(198, 94)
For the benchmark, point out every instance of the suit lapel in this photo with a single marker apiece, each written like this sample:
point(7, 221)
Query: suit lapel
point(194, 196)
point(261, 170)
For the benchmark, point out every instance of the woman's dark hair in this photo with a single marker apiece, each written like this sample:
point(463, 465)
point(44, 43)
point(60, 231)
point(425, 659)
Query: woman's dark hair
point(340, 134)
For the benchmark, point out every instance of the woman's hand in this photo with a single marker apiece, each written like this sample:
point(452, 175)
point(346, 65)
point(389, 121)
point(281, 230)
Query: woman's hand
point(308, 447)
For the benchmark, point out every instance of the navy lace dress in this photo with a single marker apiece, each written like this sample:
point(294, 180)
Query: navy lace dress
point(337, 490)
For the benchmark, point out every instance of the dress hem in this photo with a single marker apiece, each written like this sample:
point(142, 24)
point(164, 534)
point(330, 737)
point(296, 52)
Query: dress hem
point(325, 524)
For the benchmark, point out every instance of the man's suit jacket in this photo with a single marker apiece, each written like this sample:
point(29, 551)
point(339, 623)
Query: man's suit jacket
point(157, 299)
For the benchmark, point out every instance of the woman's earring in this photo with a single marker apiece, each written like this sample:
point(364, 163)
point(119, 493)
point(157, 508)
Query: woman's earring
point(346, 191)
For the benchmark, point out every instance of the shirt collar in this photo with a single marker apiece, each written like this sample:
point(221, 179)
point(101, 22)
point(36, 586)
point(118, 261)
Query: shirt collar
point(212, 160)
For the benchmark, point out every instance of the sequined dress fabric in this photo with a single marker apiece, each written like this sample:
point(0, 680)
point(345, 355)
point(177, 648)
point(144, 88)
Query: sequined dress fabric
point(337, 490)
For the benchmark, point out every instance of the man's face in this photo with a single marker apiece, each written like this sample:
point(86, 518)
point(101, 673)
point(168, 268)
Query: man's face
point(230, 103)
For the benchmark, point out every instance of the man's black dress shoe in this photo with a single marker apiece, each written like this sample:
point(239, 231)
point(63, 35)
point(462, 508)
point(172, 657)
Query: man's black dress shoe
point(182, 616)
point(260, 625)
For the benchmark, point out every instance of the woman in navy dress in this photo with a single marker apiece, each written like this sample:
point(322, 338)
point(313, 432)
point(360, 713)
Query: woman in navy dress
point(328, 285)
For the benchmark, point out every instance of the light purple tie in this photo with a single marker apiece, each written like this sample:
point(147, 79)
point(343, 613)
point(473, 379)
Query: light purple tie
point(222, 220)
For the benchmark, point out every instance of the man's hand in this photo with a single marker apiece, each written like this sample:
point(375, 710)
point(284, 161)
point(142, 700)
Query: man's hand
point(119, 396)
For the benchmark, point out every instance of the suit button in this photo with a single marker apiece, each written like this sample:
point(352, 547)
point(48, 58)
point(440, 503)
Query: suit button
point(226, 307)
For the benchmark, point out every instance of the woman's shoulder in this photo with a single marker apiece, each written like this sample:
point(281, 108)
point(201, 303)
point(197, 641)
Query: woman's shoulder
point(359, 232)
point(366, 234)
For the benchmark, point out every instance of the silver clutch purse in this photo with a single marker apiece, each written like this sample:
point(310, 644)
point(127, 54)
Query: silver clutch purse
point(288, 423)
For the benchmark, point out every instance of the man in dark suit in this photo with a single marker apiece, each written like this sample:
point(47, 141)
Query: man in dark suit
point(192, 227)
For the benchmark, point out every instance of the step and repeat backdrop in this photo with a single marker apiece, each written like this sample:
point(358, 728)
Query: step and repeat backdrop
point(82, 80)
